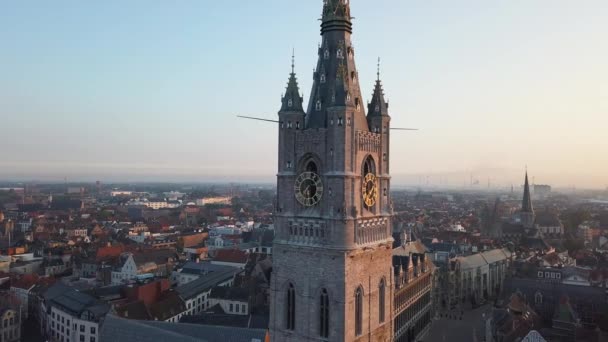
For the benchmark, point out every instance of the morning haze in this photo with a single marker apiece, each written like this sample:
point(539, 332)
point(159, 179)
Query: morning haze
point(150, 90)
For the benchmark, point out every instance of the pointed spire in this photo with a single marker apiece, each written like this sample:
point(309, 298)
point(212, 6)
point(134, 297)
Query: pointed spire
point(526, 205)
point(378, 105)
point(292, 101)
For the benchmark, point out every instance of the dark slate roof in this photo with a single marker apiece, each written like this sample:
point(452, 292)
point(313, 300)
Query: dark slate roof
point(377, 106)
point(116, 329)
point(202, 268)
point(336, 82)
point(74, 302)
point(292, 101)
point(206, 282)
point(230, 293)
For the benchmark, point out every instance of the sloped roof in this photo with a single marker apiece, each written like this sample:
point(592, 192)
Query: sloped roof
point(171, 305)
point(231, 255)
point(74, 302)
point(230, 293)
point(495, 255)
point(116, 329)
point(206, 282)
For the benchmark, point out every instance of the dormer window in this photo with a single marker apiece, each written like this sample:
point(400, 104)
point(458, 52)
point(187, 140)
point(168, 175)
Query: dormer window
point(289, 103)
point(318, 105)
point(326, 54)
point(377, 108)
point(323, 79)
point(340, 54)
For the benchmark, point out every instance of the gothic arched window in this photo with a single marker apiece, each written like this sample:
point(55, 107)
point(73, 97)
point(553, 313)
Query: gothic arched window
point(358, 311)
point(289, 103)
point(312, 167)
point(538, 298)
point(369, 166)
point(381, 299)
point(318, 106)
point(326, 54)
point(323, 78)
point(324, 315)
point(290, 317)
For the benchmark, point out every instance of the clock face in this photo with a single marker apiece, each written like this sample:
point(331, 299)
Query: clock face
point(370, 190)
point(308, 189)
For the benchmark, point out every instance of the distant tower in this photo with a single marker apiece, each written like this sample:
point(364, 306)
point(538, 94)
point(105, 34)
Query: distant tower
point(527, 211)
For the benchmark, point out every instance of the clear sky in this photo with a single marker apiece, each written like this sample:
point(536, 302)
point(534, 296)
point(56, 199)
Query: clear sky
point(149, 89)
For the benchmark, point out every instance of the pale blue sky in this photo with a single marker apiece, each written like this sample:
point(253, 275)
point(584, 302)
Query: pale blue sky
point(150, 89)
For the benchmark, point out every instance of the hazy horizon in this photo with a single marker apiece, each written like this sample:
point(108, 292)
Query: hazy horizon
point(151, 90)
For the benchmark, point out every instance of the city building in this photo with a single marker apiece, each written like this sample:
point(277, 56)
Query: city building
point(10, 325)
point(413, 306)
point(69, 315)
point(332, 255)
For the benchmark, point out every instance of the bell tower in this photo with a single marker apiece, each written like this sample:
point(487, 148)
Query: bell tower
point(332, 257)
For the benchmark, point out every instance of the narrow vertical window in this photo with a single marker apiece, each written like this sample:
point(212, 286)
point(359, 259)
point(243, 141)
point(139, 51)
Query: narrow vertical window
point(381, 298)
point(358, 312)
point(324, 315)
point(291, 308)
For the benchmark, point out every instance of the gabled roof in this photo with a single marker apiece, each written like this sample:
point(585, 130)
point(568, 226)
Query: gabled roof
point(206, 282)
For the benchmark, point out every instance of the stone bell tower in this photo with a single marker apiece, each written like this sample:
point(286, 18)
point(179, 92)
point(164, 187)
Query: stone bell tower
point(332, 256)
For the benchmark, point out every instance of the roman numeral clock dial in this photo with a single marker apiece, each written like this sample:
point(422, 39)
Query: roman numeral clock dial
point(308, 189)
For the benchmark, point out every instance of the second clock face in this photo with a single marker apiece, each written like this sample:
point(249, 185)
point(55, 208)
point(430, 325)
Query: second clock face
point(370, 190)
point(308, 189)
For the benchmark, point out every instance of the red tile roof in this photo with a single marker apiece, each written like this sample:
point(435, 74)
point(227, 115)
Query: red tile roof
point(231, 255)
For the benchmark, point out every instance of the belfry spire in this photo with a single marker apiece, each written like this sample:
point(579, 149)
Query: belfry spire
point(335, 91)
point(292, 101)
point(378, 105)
point(336, 16)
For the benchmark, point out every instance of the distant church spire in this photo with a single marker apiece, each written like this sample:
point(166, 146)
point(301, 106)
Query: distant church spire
point(292, 101)
point(378, 105)
point(527, 212)
point(526, 205)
